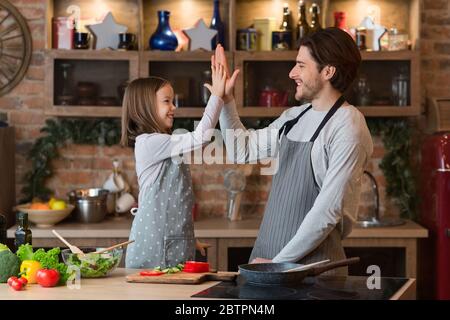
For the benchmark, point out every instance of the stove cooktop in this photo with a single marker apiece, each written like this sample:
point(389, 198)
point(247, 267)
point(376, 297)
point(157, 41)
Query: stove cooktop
point(313, 288)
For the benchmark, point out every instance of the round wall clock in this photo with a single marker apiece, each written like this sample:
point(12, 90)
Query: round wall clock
point(15, 47)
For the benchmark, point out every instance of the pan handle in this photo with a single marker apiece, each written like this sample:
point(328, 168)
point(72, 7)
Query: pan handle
point(332, 265)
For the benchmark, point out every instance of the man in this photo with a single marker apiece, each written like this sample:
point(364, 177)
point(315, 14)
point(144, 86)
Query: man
point(322, 147)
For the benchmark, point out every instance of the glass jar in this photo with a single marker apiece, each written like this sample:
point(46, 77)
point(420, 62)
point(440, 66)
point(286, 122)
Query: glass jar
point(397, 40)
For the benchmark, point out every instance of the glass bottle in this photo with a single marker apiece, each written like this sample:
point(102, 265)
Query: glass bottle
point(315, 20)
point(400, 90)
point(3, 120)
point(282, 39)
point(66, 96)
point(362, 91)
point(2, 229)
point(204, 92)
point(302, 25)
point(163, 38)
point(217, 24)
point(286, 25)
point(23, 233)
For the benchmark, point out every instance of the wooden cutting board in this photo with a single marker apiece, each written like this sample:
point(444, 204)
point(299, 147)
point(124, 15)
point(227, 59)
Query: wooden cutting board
point(183, 277)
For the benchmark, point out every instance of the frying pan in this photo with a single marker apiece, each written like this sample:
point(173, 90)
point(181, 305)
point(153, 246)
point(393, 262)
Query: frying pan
point(272, 273)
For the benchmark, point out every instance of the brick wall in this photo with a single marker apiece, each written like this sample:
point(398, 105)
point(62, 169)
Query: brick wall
point(435, 47)
point(83, 166)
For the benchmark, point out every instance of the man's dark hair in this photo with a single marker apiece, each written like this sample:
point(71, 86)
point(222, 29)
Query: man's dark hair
point(335, 47)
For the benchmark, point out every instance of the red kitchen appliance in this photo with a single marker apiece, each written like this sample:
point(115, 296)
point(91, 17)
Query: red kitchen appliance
point(435, 216)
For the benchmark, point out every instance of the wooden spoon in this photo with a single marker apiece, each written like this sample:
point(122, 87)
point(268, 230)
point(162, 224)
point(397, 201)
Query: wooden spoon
point(307, 266)
point(123, 244)
point(72, 248)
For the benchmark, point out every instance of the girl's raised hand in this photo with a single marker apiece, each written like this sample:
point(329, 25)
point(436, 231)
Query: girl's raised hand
point(220, 58)
point(219, 78)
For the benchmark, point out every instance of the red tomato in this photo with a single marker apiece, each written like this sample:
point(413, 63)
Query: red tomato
point(10, 280)
point(16, 285)
point(47, 277)
point(151, 273)
point(23, 281)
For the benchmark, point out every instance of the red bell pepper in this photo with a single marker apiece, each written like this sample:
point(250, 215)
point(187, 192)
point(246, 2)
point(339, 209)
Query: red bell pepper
point(151, 273)
point(196, 267)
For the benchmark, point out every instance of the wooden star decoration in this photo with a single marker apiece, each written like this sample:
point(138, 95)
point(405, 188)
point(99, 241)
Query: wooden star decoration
point(107, 32)
point(200, 36)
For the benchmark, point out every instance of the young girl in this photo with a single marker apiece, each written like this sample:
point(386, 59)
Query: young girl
point(163, 229)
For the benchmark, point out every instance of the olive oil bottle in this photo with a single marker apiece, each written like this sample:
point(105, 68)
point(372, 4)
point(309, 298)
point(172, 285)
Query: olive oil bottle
point(23, 233)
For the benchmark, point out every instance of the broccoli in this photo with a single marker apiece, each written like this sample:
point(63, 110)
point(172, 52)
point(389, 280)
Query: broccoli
point(3, 247)
point(9, 265)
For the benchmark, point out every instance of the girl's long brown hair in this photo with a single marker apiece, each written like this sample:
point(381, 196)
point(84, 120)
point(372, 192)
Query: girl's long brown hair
point(139, 109)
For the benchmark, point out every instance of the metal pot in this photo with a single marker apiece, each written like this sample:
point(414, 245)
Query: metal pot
point(90, 204)
point(275, 273)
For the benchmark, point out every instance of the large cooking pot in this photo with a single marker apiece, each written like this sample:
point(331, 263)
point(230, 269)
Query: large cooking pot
point(90, 204)
point(275, 273)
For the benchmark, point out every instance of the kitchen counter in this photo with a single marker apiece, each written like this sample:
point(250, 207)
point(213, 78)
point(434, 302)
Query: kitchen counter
point(224, 235)
point(113, 287)
point(116, 288)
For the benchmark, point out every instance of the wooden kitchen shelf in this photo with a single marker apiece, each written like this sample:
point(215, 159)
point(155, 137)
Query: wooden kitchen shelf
point(261, 112)
point(189, 112)
point(84, 111)
point(410, 58)
point(103, 60)
point(146, 57)
point(178, 56)
point(92, 54)
point(140, 17)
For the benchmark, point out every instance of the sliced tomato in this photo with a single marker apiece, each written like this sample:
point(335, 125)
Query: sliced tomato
point(151, 273)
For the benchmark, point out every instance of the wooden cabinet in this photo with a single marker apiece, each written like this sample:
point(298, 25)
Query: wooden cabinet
point(105, 69)
point(185, 70)
point(7, 170)
point(259, 69)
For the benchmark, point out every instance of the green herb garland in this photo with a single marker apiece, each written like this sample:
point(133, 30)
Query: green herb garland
point(395, 133)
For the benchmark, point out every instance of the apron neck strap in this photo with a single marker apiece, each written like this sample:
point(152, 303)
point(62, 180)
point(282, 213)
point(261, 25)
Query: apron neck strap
point(287, 126)
point(330, 113)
